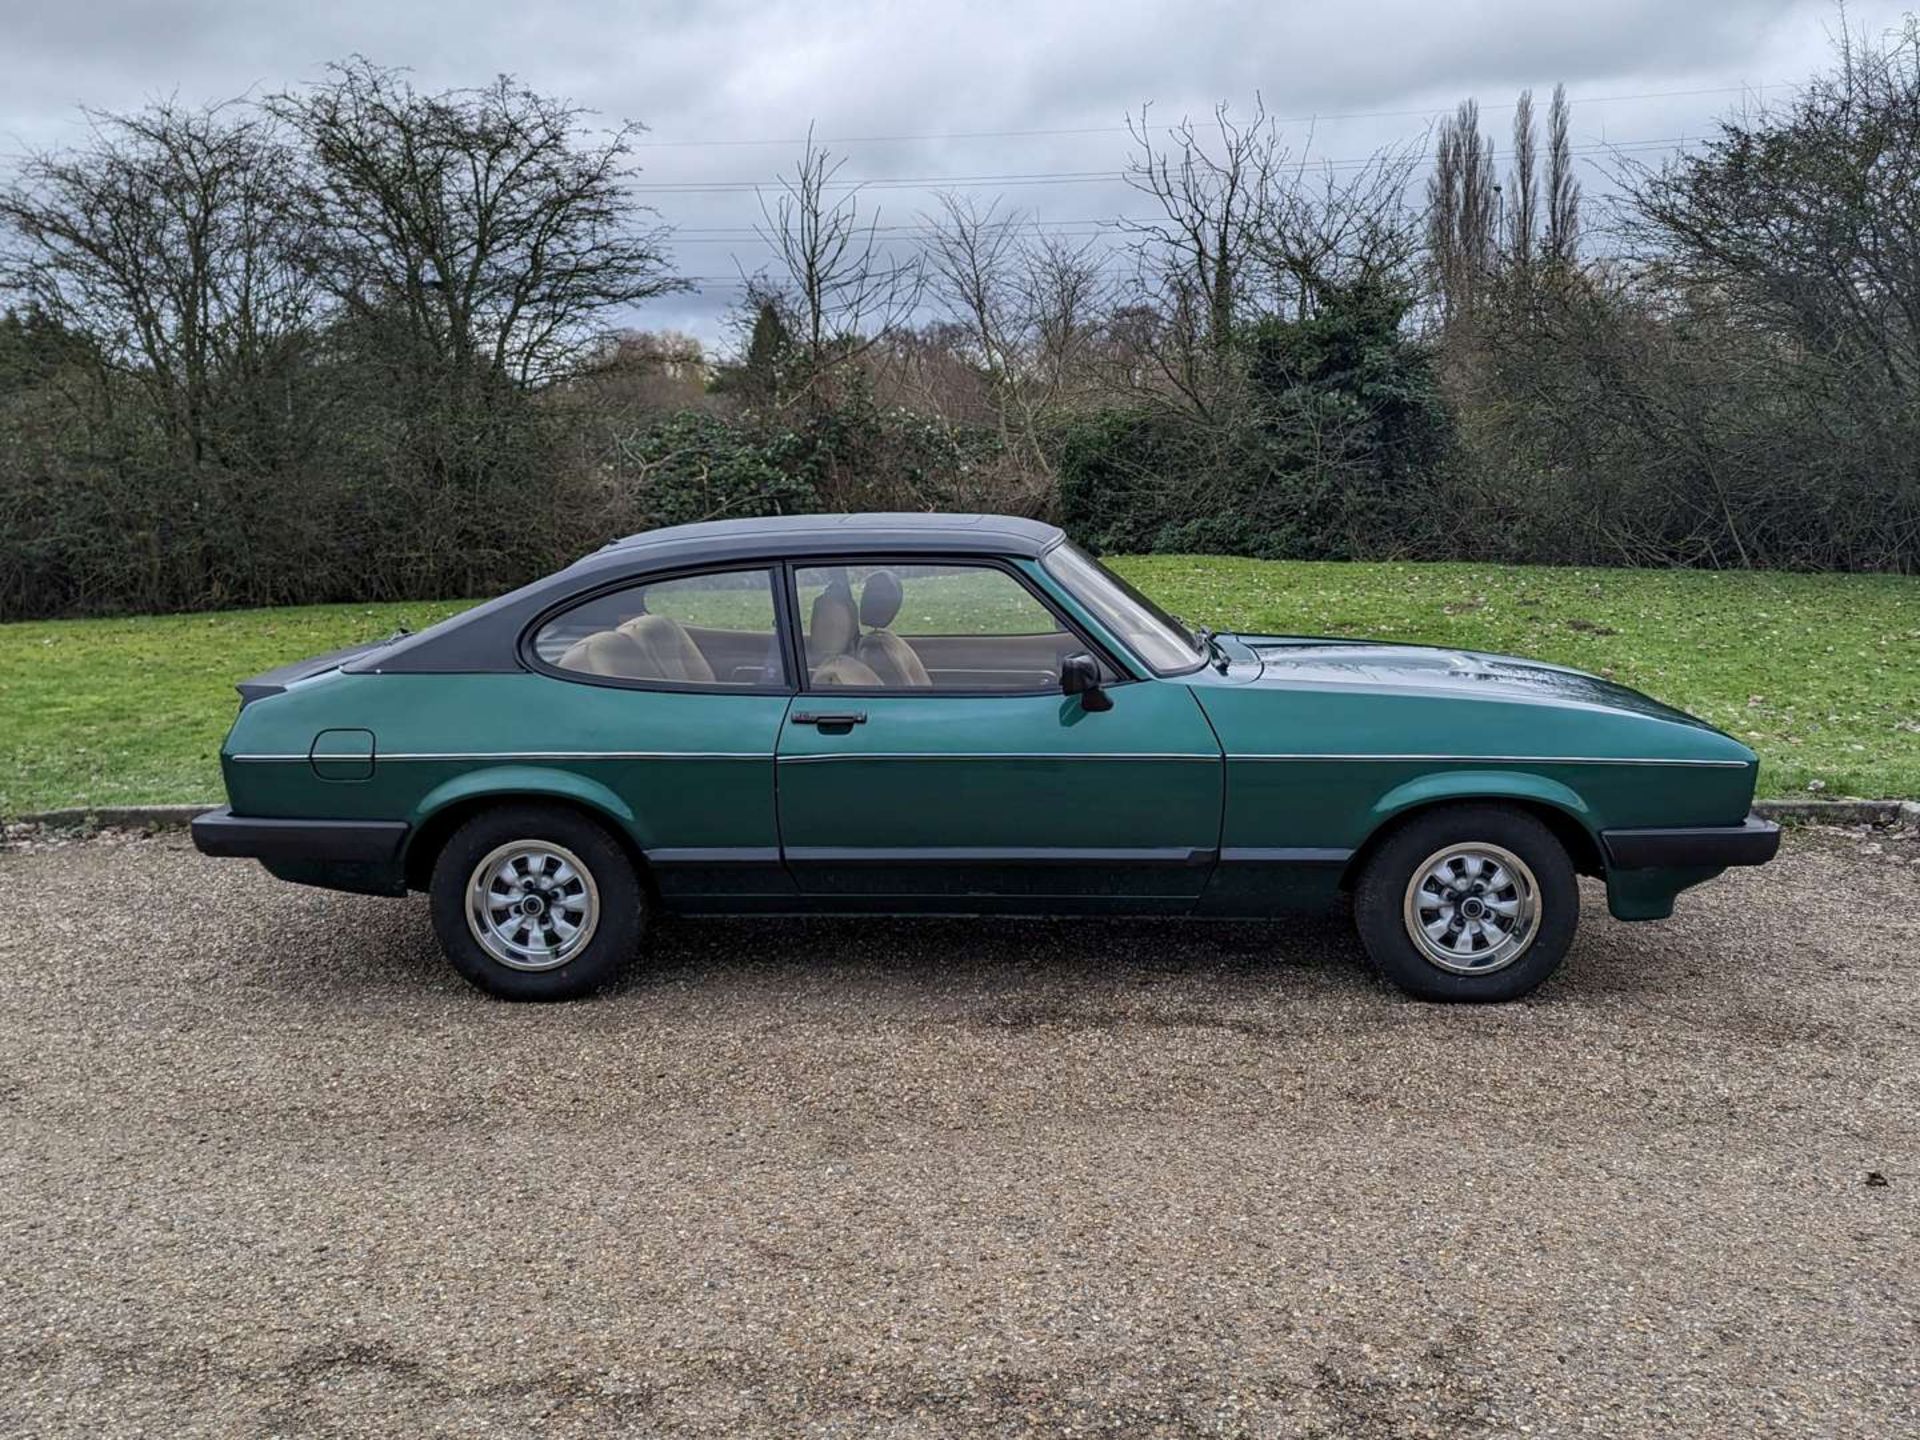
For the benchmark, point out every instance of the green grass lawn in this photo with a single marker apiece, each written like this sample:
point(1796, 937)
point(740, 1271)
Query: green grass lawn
point(1820, 673)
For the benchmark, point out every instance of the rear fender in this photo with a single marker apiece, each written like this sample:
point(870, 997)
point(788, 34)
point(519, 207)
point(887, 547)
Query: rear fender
point(508, 782)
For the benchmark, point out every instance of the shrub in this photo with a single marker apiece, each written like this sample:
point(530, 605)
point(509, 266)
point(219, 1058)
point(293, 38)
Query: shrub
point(1324, 448)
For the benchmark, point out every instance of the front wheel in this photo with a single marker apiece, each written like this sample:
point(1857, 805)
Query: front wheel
point(1468, 902)
point(536, 902)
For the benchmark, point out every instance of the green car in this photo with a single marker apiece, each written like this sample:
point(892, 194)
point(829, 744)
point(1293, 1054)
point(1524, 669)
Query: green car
point(916, 714)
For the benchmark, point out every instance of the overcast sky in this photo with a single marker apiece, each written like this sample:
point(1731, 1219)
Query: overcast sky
point(904, 91)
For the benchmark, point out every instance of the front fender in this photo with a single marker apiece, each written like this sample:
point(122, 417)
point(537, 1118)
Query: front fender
point(1496, 785)
point(1481, 785)
point(508, 781)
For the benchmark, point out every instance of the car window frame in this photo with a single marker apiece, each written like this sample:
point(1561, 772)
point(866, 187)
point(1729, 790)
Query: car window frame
point(783, 620)
point(1113, 672)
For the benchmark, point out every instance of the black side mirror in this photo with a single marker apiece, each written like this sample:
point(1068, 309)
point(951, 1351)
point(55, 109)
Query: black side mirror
point(1080, 675)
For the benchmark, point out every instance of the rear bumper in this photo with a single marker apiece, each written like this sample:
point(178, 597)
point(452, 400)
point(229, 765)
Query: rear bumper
point(359, 855)
point(372, 842)
point(1697, 847)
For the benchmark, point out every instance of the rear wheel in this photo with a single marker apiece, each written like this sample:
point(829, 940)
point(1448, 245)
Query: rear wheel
point(536, 902)
point(1468, 902)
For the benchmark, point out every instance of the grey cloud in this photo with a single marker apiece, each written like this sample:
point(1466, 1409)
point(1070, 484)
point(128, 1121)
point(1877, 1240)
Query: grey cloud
point(732, 70)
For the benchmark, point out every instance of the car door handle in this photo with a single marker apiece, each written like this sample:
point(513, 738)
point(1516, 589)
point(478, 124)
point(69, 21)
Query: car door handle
point(826, 717)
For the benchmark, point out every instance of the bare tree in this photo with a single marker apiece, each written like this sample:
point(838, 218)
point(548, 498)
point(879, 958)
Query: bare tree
point(1022, 310)
point(1194, 261)
point(837, 291)
point(1806, 224)
point(1461, 212)
point(1064, 296)
point(1522, 202)
point(1213, 194)
point(1562, 239)
point(165, 239)
point(1028, 304)
point(490, 227)
point(973, 253)
point(1326, 229)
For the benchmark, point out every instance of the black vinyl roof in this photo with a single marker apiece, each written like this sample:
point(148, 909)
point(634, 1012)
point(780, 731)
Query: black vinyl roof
point(483, 639)
point(840, 534)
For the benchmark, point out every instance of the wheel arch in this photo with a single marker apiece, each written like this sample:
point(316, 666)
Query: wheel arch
point(1558, 807)
point(447, 807)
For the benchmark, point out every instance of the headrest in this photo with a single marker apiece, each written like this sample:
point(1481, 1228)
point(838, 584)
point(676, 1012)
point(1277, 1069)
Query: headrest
point(832, 628)
point(880, 598)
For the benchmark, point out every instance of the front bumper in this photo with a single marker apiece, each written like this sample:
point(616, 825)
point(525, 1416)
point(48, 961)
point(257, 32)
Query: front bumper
point(358, 855)
point(1694, 847)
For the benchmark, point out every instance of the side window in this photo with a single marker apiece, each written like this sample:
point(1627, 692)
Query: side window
point(713, 630)
point(915, 626)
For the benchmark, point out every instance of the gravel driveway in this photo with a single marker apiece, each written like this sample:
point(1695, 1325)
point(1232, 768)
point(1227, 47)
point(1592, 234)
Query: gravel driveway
point(267, 1167)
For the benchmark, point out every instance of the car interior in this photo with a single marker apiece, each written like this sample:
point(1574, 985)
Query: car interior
point(849, 641)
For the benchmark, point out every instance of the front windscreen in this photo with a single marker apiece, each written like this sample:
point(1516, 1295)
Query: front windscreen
point(1152, 634)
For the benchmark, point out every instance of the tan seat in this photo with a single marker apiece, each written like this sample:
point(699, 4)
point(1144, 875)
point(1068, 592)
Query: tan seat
point(847, 670)
point(647, 647)
point(667, 651)
point(832, 630)
point(606, 652)
point(885, 653)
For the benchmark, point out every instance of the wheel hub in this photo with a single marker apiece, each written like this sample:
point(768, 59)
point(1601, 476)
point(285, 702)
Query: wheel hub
point(1472, 908)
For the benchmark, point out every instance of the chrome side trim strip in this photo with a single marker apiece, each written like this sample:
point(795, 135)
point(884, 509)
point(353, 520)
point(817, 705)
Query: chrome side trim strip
point(1505, 760)
point(539, 755)
point(747, 755)
point(994, 755)
point(575, 755)
point(1004, 755)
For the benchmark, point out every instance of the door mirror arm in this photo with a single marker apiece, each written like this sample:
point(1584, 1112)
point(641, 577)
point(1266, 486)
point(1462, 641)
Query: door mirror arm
point(1080, 675)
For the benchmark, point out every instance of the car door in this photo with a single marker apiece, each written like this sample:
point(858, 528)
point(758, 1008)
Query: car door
point(932, 759)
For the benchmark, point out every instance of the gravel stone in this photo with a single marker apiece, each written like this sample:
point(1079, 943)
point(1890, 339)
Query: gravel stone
point(267, 1167)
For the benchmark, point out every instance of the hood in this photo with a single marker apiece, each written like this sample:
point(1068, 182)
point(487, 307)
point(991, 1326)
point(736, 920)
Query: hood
point(1464, 674)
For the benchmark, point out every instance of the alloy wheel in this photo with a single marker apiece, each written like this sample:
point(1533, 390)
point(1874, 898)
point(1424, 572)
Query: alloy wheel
point(532, 905)
point(1472, 908)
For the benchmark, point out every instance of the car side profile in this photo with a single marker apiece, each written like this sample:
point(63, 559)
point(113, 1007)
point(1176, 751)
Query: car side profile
point(933, 714)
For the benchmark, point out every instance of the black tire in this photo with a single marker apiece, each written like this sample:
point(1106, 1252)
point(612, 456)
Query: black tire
point(619, 916)
point(1381, 899)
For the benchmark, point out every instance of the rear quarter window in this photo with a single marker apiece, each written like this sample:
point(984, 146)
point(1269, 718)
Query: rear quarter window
point(711, 630)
